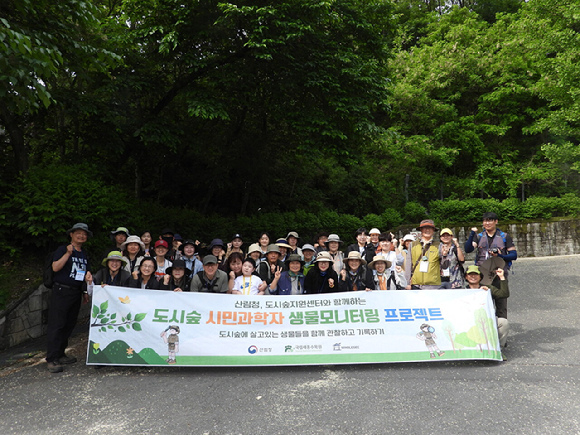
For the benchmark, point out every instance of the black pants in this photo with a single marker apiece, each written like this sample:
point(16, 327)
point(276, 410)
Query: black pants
point(63, 311)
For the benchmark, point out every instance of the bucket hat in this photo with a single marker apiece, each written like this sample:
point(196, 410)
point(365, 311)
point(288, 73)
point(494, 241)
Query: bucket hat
point(114, 255)
point(282, 243)
point(355, 255)
point(428, 223)
point(133, 239)
point(120, 230)
point(333, 238)
point(272, 248)
point(178, 263)
point(295, 257)
point(378, 258)
point(324, 256)
point(80, 226)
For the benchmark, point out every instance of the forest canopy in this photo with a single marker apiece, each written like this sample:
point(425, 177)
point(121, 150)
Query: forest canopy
point(233, 109)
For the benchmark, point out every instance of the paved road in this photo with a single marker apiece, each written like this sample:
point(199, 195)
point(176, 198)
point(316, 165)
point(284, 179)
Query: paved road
point(535, 392)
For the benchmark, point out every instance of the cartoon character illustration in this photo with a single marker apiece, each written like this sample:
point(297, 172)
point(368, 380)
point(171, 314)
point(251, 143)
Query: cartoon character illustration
point(427, 335)
point(170, 337)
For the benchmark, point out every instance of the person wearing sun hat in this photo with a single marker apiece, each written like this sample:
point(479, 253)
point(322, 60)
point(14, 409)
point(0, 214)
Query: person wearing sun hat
point(333, 244)
point(291, 281)
point(321, 278)
point(423, 264)
point(452, 260)
point(133, 250)
point(112, 273)
point(473, 276)
point(177, 277)
point(355, 276)
point(267, 269)
point(308, 252)
point(292, 239)
point(255, 253)
point(70, 267)
point(384, 278)
point(285, 249)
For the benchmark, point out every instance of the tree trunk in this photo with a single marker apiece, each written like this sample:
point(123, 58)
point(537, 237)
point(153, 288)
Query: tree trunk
point(16, 138)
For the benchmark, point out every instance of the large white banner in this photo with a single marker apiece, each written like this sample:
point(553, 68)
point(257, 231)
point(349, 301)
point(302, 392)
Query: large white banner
point(151, 327)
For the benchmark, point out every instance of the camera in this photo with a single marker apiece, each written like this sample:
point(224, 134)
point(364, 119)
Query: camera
point(494, 251)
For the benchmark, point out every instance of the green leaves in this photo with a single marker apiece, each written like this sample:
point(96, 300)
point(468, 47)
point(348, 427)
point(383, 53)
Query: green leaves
point(108, 323)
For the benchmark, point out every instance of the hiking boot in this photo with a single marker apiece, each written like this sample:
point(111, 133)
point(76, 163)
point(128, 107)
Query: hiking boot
point(67, 360)
point(53, 367)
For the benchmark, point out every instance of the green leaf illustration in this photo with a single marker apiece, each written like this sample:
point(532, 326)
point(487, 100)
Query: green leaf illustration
point(113, 316)
point(129, 316)
point(104, 306)
point(136, 326)
point(122, 329)
point(140, 316)
point(110, 327)
point(95, 311)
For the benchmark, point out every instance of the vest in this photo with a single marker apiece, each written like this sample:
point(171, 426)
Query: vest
point(433, 274)
point(483, 247)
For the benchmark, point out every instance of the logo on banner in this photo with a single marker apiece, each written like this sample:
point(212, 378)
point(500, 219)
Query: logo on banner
point(288, 348)
point(338, 346)
point(252, 349)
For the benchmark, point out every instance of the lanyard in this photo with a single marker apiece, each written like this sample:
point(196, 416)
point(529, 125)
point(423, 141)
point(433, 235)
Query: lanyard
point(244, 285)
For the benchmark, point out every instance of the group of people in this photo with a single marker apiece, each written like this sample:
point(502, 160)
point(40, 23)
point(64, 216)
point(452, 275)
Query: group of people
point(376, 261)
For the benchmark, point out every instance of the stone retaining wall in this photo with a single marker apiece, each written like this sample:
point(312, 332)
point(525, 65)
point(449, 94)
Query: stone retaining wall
point(26, 318)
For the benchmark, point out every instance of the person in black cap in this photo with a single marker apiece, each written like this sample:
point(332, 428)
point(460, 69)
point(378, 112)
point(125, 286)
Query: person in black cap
point(70, 267)
point(235, 245)
point(177, 278)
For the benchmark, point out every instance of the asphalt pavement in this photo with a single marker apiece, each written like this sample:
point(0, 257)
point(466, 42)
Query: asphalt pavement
point(535, 392)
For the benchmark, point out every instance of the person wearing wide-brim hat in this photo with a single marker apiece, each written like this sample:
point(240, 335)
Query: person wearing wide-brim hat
point(321, 278)
point(177, 277)
point(188, 254)
point(384, 278)
point(112, 273)
point(267, 269)
point(292, 238)
point(290, 281)
point(473, 276)
point(355, 276)
point(423, 264)
point(285, 248)
point(333, 244)
point(133, 250)
point(70, 270)
point(308, 253)
point(118, 236)
point(217, 248)
point(255, 253)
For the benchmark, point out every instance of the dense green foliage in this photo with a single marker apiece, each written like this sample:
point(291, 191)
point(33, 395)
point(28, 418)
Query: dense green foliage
point(220, 117)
